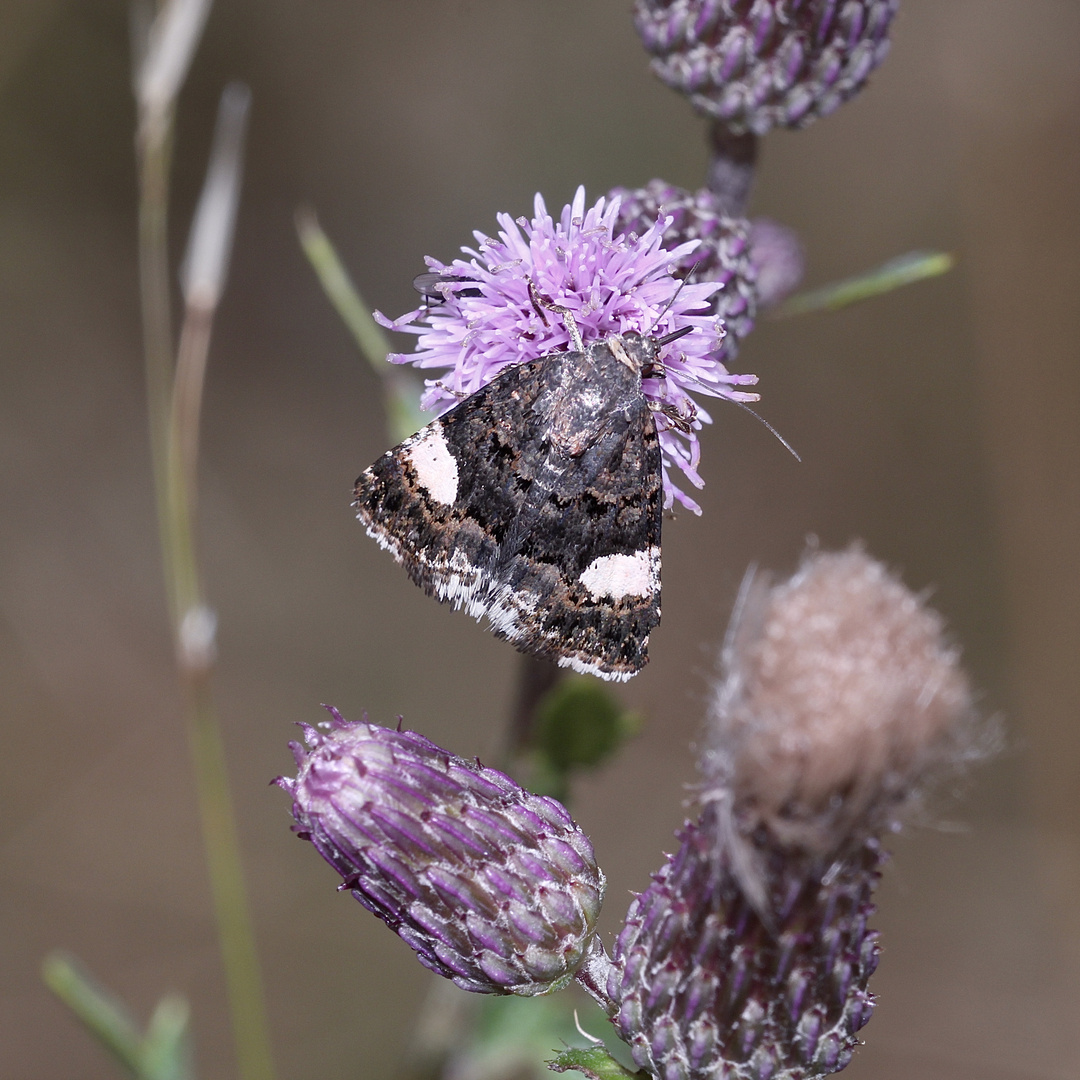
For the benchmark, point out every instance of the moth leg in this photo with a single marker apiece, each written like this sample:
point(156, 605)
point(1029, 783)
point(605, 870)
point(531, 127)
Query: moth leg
point(459, 394)
point(679, 421)
point(540, 301)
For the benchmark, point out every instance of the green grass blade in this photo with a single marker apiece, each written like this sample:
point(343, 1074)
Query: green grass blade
point(103, 1016)
point(343, 294)
point(167, 1052)
point(894, 274)
point(401, 390)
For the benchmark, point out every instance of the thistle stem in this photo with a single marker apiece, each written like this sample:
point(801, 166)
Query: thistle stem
point(174, 401)
point(535, 678)
point(731, 167)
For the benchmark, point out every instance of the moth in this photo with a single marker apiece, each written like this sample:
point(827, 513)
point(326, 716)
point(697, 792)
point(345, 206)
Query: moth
point(537, 502)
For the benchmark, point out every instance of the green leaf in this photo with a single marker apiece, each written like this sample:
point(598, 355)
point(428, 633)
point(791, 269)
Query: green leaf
point(595, 1062)
point(404, 415)
point(402, 390)
point(340, 289)
point(105, 1017)
point(165, 1052)
point(894, 274)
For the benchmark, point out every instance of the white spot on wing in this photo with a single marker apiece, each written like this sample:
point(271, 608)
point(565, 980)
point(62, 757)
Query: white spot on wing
point(436, 469)
point(623, 575)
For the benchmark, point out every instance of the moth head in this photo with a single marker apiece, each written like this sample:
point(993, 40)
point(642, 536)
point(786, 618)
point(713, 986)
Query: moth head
point(641, 353)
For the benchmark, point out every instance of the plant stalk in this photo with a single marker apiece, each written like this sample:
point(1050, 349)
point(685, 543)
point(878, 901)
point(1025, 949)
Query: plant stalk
point(174, 402)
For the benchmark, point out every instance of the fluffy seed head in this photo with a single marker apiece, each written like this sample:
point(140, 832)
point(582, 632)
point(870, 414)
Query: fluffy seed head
point(494, 888)
point(748, 956)
point(840, 698)
point(759, 64)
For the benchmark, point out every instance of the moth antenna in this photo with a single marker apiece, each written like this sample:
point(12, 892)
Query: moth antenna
point(539, 300)
point(675, 335)
point(757, 416)
point(674, 296)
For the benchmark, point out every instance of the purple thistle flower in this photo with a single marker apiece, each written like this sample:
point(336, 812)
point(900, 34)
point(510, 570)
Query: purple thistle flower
point(480, 316)
point(493, 887)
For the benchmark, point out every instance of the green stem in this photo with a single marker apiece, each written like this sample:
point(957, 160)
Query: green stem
point(195, 657)
point(239, 956)
point(154, 146)
point(174, 404)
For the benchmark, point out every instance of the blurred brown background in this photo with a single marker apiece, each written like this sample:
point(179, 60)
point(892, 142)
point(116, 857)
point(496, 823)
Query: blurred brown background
point(938, 423)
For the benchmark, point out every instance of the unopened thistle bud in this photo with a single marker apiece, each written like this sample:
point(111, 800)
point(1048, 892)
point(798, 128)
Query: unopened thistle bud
point(758, 64)
point(722, 255)
point(708, 986)
point(749, 956)
point(778, 261)
point(494, 888)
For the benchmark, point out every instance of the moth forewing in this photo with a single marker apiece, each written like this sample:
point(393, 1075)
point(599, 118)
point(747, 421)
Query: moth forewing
point(537, 502)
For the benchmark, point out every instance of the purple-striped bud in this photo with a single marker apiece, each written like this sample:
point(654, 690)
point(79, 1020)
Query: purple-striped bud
point(707, 987)
point(723, 254)
point(493, 887)
point(758, 64)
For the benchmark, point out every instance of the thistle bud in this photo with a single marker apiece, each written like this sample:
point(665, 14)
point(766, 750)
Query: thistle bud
point(759, 64)
point(723, 254)
point(707, 987)
point(494, 888)
point(749, 956)
point(778, 260)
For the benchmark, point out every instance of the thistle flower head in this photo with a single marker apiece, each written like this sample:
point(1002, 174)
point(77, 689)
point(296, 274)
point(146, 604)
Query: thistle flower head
point(483, 316)
point(748, 956)
point(841, 698)
point(492, 887)
point(758, 64)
